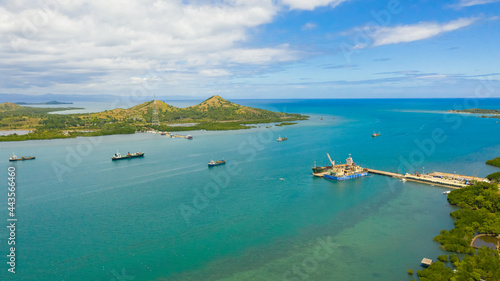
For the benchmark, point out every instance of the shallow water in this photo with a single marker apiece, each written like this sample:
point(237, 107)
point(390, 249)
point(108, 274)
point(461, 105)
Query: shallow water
point(168, 217)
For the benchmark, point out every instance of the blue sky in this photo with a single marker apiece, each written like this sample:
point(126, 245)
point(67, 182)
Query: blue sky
point(251, 48)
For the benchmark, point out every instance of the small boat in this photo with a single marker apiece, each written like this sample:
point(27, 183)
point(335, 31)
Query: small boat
point(216, 163)
point(14, 158)
point(189, 137)
point(129, 155)
point(374, 135)
point(403, 180)
point(281, 139)
point(447, 192)
point(163, 133)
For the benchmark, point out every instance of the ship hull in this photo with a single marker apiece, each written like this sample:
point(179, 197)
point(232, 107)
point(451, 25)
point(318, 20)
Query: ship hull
point(127, 157)
point(22, 159)
point(321, 169)
point(218, 163)
point(330, 177)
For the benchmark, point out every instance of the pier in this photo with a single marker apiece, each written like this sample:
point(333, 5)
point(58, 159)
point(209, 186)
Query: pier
point(384, 173)
point(434, 179)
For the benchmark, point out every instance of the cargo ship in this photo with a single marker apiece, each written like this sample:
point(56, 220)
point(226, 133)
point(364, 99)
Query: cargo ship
point(341, 172)
point(14, 158)
point(216, 163)
point(321, 169)
point(129, 155)
point(281, 139)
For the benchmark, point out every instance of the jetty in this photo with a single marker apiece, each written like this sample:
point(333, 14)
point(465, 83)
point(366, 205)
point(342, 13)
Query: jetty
point(384, 173)
point(340, 171)
point(435, 178)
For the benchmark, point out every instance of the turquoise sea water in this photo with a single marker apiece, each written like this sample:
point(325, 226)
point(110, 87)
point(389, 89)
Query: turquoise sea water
point(260, 217)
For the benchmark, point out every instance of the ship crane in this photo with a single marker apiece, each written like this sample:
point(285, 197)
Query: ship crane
point(333, 162)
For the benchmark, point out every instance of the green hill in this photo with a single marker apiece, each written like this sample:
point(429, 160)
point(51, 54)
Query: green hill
point(215, 113)
point(213, 109)
point(8, 106)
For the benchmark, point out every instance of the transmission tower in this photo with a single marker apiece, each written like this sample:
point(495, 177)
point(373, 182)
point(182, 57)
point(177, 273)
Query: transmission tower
point(156, 120)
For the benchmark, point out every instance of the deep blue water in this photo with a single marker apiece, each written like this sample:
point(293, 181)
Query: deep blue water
point(260, 217)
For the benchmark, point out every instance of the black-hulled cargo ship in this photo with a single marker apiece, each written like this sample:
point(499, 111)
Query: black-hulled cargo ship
point(14, 158)
point(129, 155)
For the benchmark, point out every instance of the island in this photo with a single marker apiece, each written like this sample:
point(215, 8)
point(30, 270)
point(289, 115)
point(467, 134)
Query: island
point(492, 113)
point(215, 113)
point(43, 103)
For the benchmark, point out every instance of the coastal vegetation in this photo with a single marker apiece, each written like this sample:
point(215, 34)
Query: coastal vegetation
point(494, 162)
point(492, 113)
point(495, 177)
point(214, 113)
point(478, 213)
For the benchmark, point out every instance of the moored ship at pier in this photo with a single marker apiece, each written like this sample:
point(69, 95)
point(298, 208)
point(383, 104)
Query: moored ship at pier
point(341, 172)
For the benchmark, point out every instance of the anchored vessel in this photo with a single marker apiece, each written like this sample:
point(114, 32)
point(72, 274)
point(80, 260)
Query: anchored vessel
point(216, 163)
point(281, 139)
point(341, 172)
point(14, 158)
point(129, 155)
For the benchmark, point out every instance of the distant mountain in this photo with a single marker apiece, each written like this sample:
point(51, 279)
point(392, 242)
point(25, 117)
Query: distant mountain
point(83, 98)
point(43, 103)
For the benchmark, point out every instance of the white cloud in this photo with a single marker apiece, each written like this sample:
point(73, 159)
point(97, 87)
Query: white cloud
point(309, 26)
point(408, 33)
point(116, 42)
point(468, 3)
point(311, 4)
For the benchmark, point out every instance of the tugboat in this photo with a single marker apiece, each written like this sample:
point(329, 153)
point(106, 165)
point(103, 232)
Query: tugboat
point(129, 155)
point(374, 135)
point(14, 158)
point(281, 139)
point(216, 163)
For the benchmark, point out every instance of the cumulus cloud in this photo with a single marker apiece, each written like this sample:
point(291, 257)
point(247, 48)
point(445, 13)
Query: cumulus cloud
point(112, 42)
